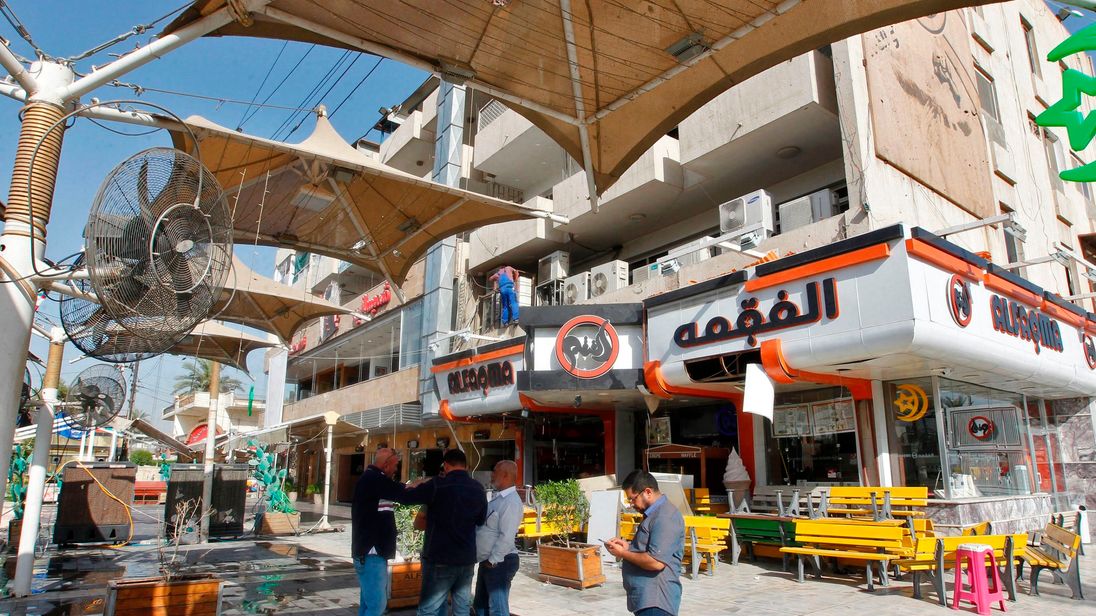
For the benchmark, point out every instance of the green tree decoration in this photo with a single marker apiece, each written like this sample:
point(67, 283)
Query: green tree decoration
point(270, 480)
point(17, 478)
point(165, 467)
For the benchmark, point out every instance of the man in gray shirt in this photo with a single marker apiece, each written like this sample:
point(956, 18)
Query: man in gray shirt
point(497, 554)
point(652, 562)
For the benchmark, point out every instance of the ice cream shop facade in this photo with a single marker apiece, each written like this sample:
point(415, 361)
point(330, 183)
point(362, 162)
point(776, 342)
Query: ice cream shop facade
point(895, 358)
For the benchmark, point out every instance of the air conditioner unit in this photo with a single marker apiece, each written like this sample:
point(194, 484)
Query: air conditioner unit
point(795, 214)
point(692, 253)
point(525, 291)
point(553, 267)
point(645, 273)
point(608, 277)
point(823, 204)
point(747, 211)
point(576, 288)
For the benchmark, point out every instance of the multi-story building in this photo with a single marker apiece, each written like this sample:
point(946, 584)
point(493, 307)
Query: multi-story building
point(910, 225)
point(189, 415)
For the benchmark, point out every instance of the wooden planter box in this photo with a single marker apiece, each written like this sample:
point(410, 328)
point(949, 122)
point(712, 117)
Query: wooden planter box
point(157, 597)
point(279, 523)
point(578, 566)
point(15, 527)
point(406, 581)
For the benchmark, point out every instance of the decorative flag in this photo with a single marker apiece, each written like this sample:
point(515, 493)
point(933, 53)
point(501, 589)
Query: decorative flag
point(250, 400)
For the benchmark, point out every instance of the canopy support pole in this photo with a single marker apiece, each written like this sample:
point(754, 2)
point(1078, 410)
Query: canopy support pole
point(371, 245)
point(580, 105)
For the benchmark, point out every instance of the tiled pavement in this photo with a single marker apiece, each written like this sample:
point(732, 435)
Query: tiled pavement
point(312, 575)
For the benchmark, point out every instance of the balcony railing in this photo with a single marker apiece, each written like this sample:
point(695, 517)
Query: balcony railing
point(392, 415)
point(489, 113)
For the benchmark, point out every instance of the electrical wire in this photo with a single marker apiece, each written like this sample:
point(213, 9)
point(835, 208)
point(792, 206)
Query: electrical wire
point(139, 89)
point(111, 495)
point(277, 87)
point(263, 83)
point(355, 89)
point(17, 25)
point(326, 92)
point(121, 132)
point(135, 31)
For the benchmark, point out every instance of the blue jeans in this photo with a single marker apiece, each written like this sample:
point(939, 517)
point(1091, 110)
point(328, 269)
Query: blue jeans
point(438, 581)
point(493, 587)
point(509, 301)
point(653, 611)
point(373, 581)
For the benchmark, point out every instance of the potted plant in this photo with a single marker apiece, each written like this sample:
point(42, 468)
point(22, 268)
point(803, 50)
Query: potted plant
point(405, 571)
point(315, 490)
point(276, 514)
point(563, 511)
point(290, 489)
point(199, 592)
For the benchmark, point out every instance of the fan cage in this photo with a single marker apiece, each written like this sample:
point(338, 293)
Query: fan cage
point(86, 413)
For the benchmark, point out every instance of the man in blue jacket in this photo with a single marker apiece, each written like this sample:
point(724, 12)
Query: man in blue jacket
point(373, 533)
point(455, 505)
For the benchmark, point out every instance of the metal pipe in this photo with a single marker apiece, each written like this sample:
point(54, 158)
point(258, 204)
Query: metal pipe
point(17, 70)
point(882, 440)
point(33, 207)
point(12, 90)
point(210, 450)
point(580, 104)
point(136, 118)
point(36, 487)
point(113, 445)
point(154, 50)
point(328, 455)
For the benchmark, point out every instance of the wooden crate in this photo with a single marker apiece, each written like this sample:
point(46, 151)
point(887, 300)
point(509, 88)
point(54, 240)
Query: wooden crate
point(279, 523)
point(158, 597)
point(578, 566)
point(406, 582)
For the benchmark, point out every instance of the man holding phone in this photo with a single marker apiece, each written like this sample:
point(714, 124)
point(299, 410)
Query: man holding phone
point(652, 561)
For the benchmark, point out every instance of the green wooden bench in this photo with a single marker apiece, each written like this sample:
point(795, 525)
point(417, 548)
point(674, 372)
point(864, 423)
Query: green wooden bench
point(749, 529)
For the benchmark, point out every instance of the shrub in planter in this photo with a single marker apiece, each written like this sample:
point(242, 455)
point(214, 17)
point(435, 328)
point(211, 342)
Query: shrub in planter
point(564, 511)
point(405, 571)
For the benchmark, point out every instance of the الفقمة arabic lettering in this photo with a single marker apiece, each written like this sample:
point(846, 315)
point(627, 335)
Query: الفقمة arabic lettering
point(751, 321)
point(598, 349)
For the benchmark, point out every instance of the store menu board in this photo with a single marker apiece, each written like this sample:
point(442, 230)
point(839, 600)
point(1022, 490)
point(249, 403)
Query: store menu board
point(792, 420)
point(833, 417)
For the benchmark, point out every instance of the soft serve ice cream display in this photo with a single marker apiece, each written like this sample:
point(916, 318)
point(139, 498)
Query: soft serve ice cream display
point(736, 478)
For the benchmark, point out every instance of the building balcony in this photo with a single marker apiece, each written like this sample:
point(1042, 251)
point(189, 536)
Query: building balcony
point(517, 241)
point(516, 153)
point(410, 147)
point(393, 388)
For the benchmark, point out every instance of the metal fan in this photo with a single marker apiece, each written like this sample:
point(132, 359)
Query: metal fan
point(95, 397)
point(159, 244)
point(92, 329)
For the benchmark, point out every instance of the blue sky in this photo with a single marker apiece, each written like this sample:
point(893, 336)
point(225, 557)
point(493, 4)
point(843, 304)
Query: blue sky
point(228, 68)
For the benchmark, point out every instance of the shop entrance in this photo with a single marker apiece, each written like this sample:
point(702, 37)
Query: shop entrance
point(566, 447)
point(813, 441)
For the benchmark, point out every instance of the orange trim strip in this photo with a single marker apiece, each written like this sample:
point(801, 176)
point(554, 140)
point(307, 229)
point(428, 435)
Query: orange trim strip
point(447, 413)
point(533, 405)
point(1062, 314)
point(1005, 287)
point(778, 369)
point(928, 253)
point(475, 359)
point(652, 376)
point(856, 257)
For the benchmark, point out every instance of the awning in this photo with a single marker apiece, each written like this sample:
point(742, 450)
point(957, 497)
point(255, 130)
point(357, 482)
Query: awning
point(603, 78)
point(213, 341)
point(259, 302)
point(325, 197)
point(342, 428)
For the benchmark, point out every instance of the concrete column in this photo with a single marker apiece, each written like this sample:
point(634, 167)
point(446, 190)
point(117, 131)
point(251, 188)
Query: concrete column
point(210, 450)
point(882, 443)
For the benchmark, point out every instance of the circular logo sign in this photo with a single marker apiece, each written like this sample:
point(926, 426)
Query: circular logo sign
point(587, 346)
point(959, 300)
point(1090, 351)
point(910, 403)
point(980, 427)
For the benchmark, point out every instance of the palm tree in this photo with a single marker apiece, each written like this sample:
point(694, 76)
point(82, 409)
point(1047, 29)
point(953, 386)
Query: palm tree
point(195, 379)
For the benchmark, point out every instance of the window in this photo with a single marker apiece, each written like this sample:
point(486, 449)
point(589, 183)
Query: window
point(1014, 248)
point(1032, 48)
point(987, 93)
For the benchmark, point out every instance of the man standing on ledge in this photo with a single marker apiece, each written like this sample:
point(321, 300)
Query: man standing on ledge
point(496, 551)
point(506, 283)
point(456, 505)
point(373, 531)
point(652, 562)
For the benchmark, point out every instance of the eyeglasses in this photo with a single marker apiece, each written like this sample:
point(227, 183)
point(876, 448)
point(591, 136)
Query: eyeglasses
point(633, 497)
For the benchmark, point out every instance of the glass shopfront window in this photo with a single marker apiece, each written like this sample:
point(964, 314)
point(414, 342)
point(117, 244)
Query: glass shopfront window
point(913, 433)
point(987, 452)
point(812, 439)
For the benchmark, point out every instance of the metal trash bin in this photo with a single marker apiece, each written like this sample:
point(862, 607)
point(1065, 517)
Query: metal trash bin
point(86, 513)
point(229, 496)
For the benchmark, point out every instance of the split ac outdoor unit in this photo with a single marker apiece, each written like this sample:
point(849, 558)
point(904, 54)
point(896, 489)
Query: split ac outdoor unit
point(752, 214)
point(823, 204)
point(553, 267)
point(795, 214)
point(692, 253)
point(576, 288)
point(608, 277)
point(645, 273)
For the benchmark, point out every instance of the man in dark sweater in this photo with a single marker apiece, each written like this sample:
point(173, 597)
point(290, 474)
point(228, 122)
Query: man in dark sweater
point(373, 536)
point(456, 504)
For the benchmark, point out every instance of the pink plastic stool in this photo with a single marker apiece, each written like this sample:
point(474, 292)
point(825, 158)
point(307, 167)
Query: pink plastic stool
point(973, 557)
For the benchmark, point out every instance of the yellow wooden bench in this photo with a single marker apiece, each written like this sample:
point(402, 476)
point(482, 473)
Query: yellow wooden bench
point(533, 525)
point(879, 503)
point(1057, 551)
point(875, 544)
point(933, 556)
point(700, 501)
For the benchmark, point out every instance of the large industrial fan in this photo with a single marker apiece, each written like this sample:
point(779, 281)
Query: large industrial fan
point(95, 397)
point(158, 249)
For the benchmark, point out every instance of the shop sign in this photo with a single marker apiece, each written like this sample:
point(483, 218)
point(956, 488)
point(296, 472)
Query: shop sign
point(1013, 318)
point(750, 322)
point(959, 302)
point(298, 346)
point(981, 428)
point(910, 402)
point(482, 379)
point(373, 303)
point(587, 346)
point(1090, 351)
